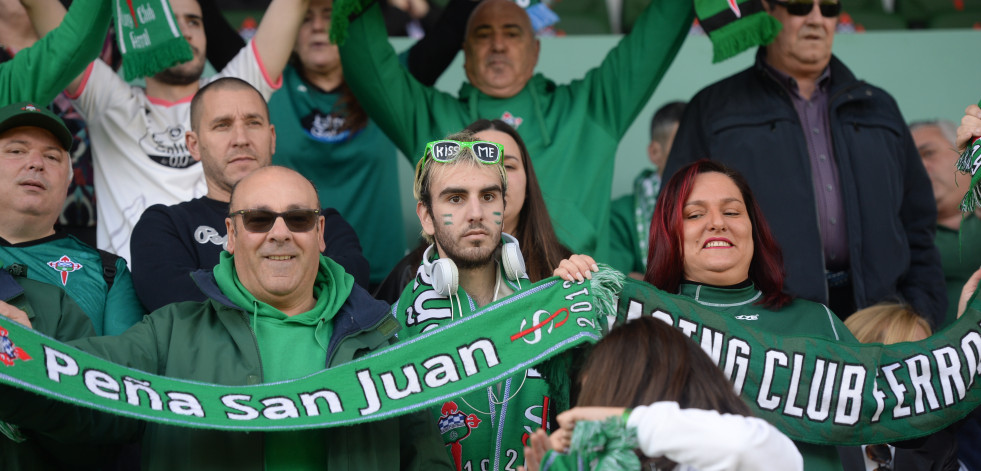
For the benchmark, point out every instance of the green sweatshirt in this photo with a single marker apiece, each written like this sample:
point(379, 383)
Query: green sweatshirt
point(77, 268)
point(960, 256)
point(39, 73)
point(571, 131)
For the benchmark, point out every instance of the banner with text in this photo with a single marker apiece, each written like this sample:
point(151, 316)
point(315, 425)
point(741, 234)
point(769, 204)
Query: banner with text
point(423, 371)
point(827, 392)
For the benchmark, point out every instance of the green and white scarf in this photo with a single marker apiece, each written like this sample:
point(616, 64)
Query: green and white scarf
point(812, 389)
point(647, 185)
point(970, 162)
point(148, 37)
point(732, 25)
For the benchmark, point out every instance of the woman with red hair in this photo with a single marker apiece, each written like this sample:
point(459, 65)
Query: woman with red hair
point(709, 241)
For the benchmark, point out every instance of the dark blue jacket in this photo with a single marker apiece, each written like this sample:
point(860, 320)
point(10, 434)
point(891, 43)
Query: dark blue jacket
point(748, 122)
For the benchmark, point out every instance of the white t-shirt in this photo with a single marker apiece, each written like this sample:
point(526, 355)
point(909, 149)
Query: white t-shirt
point(140, 157)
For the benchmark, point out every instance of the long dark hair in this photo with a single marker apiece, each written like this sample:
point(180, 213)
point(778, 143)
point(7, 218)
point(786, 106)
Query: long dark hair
point(665, 258)
point(355, 117)
point(539, 244)
point(647, 360)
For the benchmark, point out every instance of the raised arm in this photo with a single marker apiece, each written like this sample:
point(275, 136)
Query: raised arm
point(276, 34)
point(620, 87)
point(57, 60)
point(223, 40)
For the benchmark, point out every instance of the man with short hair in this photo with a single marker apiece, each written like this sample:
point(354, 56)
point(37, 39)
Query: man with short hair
point(935, 142)
point(275, 308)
point(137, 134)
point(630, 215)
point(459, 188)
point(35, 170)
point(570, 130)
point(832, 164)
point(231, 136)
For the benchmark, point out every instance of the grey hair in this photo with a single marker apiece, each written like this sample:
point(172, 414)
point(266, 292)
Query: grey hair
point(947, 128)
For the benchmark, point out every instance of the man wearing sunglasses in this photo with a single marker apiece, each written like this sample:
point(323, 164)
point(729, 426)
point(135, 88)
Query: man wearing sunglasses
point(459, 187)
point(277, 310)
point(832, 164)
point(231, 136)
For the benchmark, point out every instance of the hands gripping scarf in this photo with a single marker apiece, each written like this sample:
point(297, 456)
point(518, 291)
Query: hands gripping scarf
point(148, 37)
point(970, 162)
point(732, 25)
point(812, 389)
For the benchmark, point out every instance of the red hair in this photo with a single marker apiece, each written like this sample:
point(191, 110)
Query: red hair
point(665, 257)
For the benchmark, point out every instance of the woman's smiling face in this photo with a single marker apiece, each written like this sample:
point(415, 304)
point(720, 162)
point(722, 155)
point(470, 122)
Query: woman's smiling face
point(718, 234)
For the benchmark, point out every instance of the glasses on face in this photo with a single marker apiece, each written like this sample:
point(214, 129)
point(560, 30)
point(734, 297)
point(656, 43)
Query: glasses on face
point(804, 7)
point(881, 455)
point(447, 151)
point(262, 220)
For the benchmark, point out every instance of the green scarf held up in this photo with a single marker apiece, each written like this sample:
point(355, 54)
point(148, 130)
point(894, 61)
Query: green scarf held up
point(970, 162)
point(734, 26)
point(331, 288)
point(148, 37)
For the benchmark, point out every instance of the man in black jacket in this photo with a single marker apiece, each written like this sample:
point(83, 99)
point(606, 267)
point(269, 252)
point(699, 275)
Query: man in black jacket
point(832, 163)
point(231, 136)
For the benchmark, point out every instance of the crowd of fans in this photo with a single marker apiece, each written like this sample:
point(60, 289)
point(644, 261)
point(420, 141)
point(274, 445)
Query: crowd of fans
point(792, 187)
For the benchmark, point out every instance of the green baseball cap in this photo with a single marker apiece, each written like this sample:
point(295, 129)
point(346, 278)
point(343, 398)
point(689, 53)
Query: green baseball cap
point(29, 114)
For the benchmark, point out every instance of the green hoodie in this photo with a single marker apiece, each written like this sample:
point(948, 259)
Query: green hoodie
point(288, 351)
point(571, 131)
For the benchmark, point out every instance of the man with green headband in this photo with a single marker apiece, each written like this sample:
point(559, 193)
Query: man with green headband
point(459, 187)
point(277, 310)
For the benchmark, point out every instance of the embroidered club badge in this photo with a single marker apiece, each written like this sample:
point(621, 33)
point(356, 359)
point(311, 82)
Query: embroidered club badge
point(454, 426)
point(10, 352)
point(65, 265)
point(511, 119)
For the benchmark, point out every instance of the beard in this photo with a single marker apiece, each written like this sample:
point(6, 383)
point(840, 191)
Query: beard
point(181, 74)
point(466, 258)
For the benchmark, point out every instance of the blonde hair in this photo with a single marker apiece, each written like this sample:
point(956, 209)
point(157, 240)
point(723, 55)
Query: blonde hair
point(428, 170)
point(886, 323)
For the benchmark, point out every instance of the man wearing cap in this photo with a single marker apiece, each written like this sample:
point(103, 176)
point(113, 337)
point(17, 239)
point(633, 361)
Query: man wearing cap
point(459, 187)
point(276, 310)
point(35, 170)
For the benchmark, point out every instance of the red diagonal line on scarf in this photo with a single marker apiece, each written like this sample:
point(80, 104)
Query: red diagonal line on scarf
point(540, 324)
point(132, 13)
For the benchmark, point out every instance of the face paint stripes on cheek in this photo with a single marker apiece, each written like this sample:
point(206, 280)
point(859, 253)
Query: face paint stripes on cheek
point(447, 219)
point(498, 216)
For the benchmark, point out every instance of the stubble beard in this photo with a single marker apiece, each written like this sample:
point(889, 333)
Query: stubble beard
point(465, 258)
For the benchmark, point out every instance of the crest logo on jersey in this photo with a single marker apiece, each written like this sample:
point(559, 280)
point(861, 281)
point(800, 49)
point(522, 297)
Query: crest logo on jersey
point(455, 426)
point(65, 265)
point(749, 317)
point(735, 8)
point(10, 352)
point(511, 119)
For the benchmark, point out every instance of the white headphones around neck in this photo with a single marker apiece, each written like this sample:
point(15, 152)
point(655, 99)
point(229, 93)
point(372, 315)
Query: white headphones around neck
point(446, 278)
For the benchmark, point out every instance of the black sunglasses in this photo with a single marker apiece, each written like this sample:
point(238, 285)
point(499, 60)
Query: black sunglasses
point(804, 7)
point(881, 455)
point(262, 220)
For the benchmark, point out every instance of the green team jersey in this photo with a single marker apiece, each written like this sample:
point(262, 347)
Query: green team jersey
point(960, 257)
point(76, 267)
point(486, 429)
